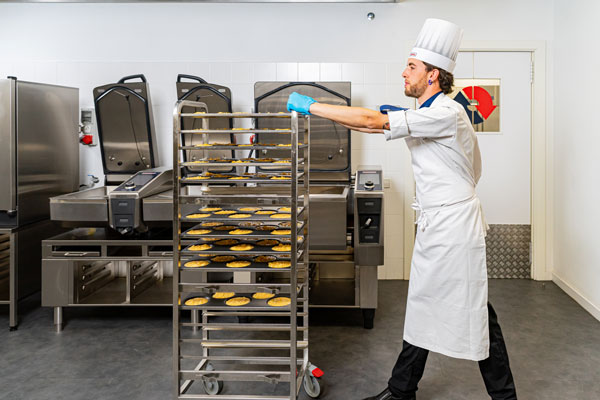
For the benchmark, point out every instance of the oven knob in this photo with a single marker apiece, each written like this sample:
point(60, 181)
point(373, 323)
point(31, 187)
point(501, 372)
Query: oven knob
point(129, 185)
point(369, 185)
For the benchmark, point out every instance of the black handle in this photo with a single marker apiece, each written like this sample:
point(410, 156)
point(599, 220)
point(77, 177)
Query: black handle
point(126, 78)
point(192, 77)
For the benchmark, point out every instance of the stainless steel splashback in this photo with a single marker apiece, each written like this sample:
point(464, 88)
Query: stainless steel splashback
point(217, 99)
point(126, 126)
point(39, 148)
point(330, 141)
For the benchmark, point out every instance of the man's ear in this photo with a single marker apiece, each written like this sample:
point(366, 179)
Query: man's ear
point(434, 74)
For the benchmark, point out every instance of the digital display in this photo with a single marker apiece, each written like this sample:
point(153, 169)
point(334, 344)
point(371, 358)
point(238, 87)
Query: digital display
point(366, 177)
point(142, 179)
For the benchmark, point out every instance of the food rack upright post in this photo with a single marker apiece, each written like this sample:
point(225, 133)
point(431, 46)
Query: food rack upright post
point(260, 227)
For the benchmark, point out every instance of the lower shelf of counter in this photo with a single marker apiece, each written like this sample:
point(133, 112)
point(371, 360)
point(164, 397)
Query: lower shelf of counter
point(114, 293)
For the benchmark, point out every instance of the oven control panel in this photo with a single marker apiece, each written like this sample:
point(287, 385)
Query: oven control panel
point(369, 179)
point(368, 216)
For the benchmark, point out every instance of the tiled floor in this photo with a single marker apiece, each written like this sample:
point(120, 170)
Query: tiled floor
point(554, 346)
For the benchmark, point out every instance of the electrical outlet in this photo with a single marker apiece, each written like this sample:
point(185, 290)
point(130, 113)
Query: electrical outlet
point(387, 184)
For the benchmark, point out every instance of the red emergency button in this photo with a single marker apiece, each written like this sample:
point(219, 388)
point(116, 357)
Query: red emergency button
point(87, 139)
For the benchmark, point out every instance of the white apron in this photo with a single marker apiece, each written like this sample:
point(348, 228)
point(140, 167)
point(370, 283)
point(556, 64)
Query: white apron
point(446, 309)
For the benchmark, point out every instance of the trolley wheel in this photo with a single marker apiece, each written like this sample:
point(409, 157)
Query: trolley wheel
point(312, 387)
point(212, 386)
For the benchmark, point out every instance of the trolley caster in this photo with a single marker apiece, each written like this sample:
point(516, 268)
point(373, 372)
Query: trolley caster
point(368, 317)
point(212, 386)
point(312, 386)
point(12, 328)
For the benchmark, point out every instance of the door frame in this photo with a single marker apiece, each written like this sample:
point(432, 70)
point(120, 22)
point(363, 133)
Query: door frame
point(542, 162)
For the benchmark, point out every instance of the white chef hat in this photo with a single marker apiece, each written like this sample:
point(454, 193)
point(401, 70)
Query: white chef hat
point(438, 44)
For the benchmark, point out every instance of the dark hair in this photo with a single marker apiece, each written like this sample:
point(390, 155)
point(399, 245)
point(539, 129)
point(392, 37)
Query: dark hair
point(446, 78)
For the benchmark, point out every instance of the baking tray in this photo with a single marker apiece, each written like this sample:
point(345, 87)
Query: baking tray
point(219, 304)
point(201, 131)
point(233, 162)
point(253, 235)
point(253, 216)
point(243, 146)
point(225, 250)
point(247, 178)
point(222, 266)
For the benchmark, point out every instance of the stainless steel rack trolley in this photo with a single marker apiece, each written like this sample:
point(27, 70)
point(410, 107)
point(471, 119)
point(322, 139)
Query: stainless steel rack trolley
point(247, 332)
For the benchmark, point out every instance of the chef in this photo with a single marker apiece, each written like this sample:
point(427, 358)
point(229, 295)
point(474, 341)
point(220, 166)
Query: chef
point(447, 308)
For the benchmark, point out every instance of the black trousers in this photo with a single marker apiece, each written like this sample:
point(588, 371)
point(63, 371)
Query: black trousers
point(495, 369)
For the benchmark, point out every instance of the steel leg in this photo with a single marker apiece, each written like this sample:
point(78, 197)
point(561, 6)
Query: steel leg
point(58, 319)
point(368, 317)
point(195, 320)
point(14, 294)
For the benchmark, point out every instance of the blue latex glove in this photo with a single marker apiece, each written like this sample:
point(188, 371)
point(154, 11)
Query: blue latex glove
point(300, 103)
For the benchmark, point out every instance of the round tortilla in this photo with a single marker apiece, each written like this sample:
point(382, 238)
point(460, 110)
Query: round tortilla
point(223, 258)
point(267, 242)
point(279, 302)
point(223, 295)
point(263, 259)
point(211, 224)
point(196, 301)
point(282, 247)
point(198, 231)
point(262, 296)
point(240, 216)
point(200, 247)
point(224, 228)
point(249, 209)
point(242, 247)
point(238, 264)
point(265, 212)
point(240, 231)
point(196, 264)
point(281, 232)
point(237, 301)
point(196, 216)
point(281, 216)
point(227, 242)
point(266, 228)
point(280, 264)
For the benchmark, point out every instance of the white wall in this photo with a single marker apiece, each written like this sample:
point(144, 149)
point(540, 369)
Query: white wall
point(87, 45)
point(577, 150)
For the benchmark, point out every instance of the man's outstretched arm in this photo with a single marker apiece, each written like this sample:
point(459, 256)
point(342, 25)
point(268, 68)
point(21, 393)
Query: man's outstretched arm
point(356, 118)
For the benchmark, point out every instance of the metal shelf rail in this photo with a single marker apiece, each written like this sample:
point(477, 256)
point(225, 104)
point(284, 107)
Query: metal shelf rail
point(215, 212)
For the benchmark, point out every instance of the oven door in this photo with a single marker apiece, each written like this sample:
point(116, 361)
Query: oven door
point(329, 141)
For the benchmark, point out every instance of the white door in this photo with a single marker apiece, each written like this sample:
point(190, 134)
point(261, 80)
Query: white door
point(505, 185)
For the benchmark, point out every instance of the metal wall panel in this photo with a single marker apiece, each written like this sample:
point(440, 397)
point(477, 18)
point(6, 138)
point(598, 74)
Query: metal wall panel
point(48, 147)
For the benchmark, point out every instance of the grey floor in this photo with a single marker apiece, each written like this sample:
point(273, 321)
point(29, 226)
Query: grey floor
point(554, 346)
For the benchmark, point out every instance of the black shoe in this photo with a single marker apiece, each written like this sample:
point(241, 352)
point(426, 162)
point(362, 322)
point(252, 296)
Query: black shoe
point(387, 395)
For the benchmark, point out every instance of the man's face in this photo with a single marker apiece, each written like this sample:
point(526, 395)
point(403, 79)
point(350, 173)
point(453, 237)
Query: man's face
point(415, 78)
